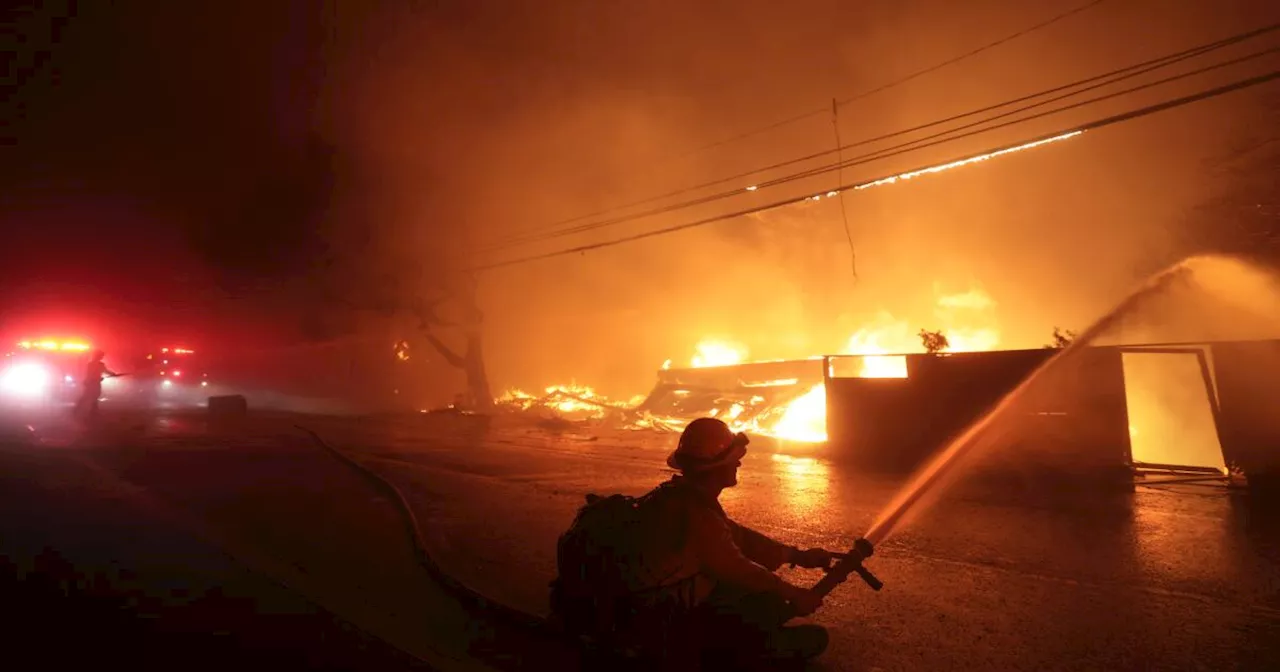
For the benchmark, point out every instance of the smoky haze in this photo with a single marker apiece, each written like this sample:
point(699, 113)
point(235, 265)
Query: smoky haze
point(533, 115)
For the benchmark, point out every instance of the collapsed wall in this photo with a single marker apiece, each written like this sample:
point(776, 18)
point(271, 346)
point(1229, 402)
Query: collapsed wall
point(756, 386)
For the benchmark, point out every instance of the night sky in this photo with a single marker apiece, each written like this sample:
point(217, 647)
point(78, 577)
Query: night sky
point(160, 148)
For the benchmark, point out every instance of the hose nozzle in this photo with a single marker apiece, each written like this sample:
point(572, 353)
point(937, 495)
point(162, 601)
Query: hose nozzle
point(851, 563)
point(863, 548)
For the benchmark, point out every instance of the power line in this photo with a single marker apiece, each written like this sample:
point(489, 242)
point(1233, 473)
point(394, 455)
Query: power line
point(939, 138)
point(864, 94)
point(887, 152)
point(905, 79)
point(1115, 76)
point(1094, 125)
point(975, 52)
point(1129, 71)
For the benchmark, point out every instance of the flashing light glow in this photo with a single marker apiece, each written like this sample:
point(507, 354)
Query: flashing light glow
point(167, 383)
point(177, 373)
point(51, 344)
point(183, 351)
point(964, 162)
point(25, 379)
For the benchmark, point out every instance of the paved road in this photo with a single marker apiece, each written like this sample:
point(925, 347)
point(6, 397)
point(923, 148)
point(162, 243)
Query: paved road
point(262, 494)
point(1157, 579)
point(93, 573)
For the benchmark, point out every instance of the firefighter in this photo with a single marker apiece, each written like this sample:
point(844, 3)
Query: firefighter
point(712, 579)
point(91, 386)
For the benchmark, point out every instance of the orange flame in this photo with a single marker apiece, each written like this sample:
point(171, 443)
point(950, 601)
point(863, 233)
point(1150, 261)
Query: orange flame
point(963, 318)
point(718, 353)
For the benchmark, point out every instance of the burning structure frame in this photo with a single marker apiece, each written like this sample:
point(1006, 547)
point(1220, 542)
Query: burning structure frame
point(1073, 426)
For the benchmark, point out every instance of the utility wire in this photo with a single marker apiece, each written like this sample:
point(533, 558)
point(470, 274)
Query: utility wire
point(906, 146)
point(975, 52)
point(864, 94)
point(939, 138)
point(1114, 76)
point(890, 151)
point(1090, 126)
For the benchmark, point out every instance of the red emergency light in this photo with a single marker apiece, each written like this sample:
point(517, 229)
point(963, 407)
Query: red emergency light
point(52, 344)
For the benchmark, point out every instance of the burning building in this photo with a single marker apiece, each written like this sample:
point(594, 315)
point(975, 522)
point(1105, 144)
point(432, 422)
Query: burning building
point(1102, 415)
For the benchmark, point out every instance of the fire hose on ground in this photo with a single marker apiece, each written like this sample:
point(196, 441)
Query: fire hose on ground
point(460, 590)
point(846, 564)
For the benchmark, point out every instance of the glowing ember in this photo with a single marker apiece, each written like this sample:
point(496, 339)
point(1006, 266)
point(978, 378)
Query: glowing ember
point(965, 162)
point(571, 400)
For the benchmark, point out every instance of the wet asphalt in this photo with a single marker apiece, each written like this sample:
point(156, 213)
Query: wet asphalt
point(1163, 577)
point(1170, 577)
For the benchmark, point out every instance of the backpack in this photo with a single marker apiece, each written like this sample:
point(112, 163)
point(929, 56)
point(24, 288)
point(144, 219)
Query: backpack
point(593, 556)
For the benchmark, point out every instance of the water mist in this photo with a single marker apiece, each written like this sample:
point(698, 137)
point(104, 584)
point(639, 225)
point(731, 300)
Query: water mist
point(1207, 271)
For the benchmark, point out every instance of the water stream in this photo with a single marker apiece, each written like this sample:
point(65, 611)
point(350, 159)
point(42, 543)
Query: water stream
point(1229, 279)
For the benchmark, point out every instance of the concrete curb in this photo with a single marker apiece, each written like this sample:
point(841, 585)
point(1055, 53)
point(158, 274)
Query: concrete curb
point(455, 586)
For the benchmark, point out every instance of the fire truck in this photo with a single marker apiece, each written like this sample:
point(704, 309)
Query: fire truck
point(169, 377)
point(48, 372)
point(43, 372)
